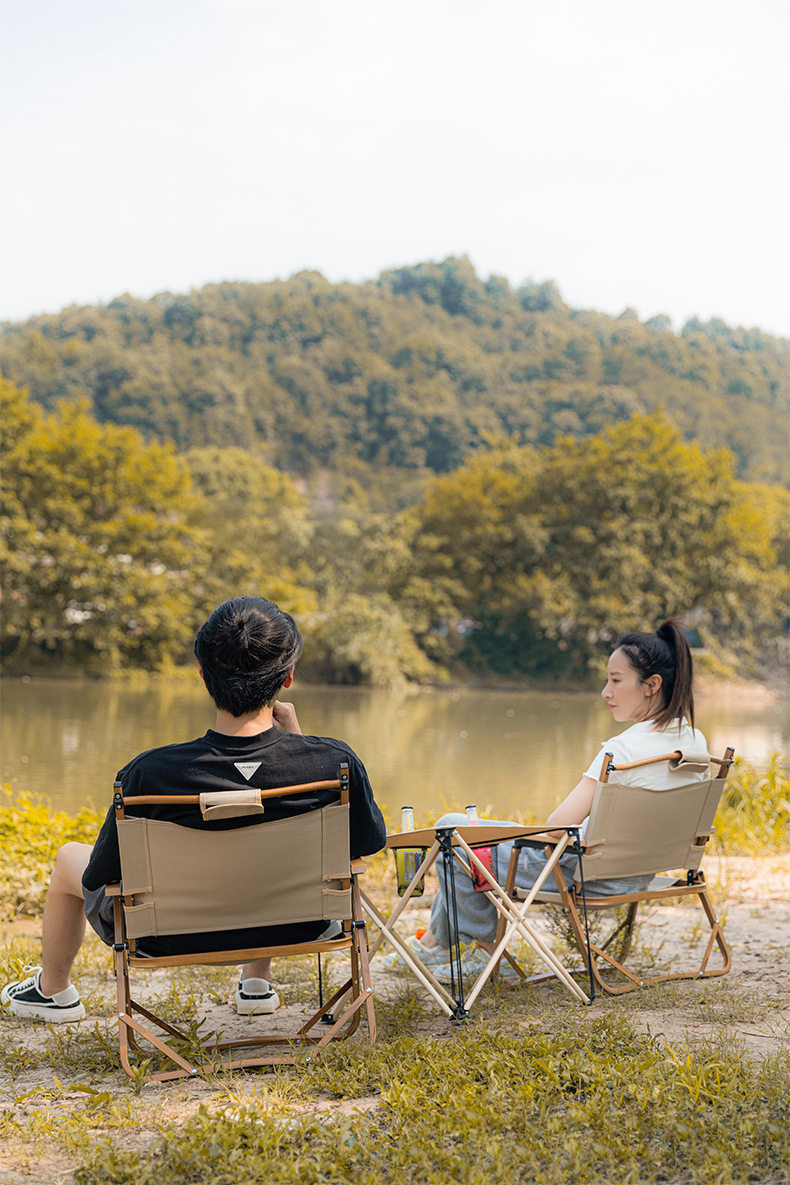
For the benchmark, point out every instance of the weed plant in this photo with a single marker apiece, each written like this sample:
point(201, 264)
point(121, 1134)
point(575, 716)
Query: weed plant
point(596, 1103)
point(531, 1091)
point(754, 813)
point(31, 832)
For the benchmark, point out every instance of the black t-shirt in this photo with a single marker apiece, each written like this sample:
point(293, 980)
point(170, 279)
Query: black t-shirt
point(220, 762)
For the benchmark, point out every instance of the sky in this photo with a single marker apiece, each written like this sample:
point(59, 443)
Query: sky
point(635, 153)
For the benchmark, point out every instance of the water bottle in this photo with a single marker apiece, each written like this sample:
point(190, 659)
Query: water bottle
point(408, 860)
point(484, 855)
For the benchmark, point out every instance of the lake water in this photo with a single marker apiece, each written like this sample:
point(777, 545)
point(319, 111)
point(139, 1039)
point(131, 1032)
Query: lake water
point(508, 751)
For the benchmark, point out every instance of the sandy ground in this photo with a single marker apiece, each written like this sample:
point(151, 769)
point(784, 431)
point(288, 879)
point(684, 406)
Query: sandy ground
point(752, 1001)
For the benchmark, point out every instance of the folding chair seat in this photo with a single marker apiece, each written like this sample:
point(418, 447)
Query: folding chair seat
point(636, 831)
point(189, 881)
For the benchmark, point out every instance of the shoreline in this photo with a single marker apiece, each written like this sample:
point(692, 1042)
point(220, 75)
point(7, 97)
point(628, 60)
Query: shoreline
point(730, 688)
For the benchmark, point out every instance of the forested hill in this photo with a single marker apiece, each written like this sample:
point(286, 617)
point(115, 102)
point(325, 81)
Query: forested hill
point(413, 370)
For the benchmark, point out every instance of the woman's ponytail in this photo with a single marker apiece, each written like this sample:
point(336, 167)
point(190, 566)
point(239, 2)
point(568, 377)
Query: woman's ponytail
point(681, 702)
point(666, 653)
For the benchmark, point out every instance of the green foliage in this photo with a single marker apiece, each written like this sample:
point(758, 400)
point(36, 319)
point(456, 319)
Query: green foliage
point(524, 561)
point(598, 1102)
point(536, 560)
point(93, 540)
point(754, 813)
point(256, 531)
point(364, 639)
point(414, 370)
point(31, 832)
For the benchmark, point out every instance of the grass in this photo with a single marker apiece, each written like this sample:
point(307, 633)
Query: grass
point(558, 1097)
point(31, 832)
point(532, 1089)
point(754, 813)
point(596, 1102)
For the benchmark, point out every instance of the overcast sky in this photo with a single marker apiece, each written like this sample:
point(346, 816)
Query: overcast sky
point(634, 152)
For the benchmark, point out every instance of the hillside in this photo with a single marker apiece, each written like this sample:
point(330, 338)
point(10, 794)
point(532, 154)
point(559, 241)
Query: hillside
point(411, 371)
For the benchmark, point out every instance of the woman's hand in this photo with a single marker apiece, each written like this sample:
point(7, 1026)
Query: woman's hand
point(285, 718)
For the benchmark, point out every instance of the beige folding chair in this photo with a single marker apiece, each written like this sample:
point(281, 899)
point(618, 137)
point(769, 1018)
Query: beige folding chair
point(633, 831)
point(452, 844)
point(185, 880)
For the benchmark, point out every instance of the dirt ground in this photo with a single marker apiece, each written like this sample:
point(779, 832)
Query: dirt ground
point(751, 1002)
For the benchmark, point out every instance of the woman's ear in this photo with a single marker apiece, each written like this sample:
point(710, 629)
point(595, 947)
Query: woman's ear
point(289, 679)
point(653, 684)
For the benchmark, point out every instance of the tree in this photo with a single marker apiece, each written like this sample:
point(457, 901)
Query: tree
point(540, 558)
point(93, 541)
point(255, 528)
point(412, 370)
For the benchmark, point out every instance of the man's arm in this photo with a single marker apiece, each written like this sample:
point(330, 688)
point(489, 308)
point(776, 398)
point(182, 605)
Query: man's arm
point(367, 829)
point(104, 866)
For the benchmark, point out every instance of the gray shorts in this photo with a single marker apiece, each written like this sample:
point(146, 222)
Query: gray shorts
point(98, 911)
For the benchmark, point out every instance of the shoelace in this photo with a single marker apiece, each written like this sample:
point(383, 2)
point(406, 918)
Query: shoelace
point(30, 982)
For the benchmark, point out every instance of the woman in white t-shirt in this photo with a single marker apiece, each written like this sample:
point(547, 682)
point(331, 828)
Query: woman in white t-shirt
point(649, 681)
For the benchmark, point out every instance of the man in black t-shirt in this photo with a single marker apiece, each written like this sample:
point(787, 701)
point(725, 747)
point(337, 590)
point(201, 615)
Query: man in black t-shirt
point(247, 651)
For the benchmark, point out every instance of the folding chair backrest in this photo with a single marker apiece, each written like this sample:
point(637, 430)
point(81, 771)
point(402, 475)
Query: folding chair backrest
point(181, 880)
point(633, 830)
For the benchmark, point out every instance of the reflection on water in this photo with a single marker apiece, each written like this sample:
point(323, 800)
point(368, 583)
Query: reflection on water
point(508, 751)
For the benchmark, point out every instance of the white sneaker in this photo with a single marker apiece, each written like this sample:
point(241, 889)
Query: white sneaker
point(431, 956)
point(25, 998)
point(473, 960)
point(333, 930)
point(255, 996)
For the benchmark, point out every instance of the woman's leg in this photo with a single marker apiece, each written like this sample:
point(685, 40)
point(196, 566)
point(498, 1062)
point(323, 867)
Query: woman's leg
point(477, 917)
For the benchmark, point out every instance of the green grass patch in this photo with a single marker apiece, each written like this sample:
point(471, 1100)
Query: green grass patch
point(597, 1102)
point(754, 812)
point(31, 832)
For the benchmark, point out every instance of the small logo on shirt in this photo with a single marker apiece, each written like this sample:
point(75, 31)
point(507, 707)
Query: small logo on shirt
point(247, 768)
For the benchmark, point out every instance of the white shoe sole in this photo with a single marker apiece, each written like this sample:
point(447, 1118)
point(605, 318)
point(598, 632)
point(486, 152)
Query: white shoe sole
point(255, 1006)
point(53, 1014)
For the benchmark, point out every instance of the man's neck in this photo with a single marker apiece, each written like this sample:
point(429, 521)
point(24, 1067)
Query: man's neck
point(244, 726)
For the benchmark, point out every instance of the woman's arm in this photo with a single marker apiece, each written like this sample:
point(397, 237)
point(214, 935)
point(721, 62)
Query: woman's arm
point(574, 809)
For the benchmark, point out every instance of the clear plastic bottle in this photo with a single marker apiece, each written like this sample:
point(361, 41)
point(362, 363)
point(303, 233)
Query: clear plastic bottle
point(408, 860)
point(484, 855)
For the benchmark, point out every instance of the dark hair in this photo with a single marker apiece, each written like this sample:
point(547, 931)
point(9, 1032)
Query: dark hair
point(665, 653)
point(247, 649)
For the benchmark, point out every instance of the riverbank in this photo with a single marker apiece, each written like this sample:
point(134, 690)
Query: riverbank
point(62, 1094)
point(771, 687)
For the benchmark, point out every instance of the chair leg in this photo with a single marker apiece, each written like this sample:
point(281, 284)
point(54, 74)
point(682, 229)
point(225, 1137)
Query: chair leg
point(361, 933)
point(626, 929)
point(510, 880)
point(715, 939)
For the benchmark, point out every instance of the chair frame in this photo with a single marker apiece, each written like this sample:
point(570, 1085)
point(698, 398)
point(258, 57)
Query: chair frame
point(693, 884)
point(218, 1054)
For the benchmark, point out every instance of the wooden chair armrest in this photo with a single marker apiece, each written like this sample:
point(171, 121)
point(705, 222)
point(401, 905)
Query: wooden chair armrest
point(358, 866)
point(113, 890)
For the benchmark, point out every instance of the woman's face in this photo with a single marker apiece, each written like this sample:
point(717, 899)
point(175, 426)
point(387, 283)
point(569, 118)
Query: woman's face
point(627, 696)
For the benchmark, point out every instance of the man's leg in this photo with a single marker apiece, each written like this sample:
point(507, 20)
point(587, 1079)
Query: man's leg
point(255, 993)
point(46, 993)
point(63, 927)
point(260, 969)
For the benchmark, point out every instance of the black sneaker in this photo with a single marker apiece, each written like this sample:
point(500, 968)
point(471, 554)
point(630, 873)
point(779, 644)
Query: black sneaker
point(25, 998)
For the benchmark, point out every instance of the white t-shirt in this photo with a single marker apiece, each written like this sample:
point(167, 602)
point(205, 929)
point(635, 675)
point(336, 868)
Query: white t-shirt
point(645, 740)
